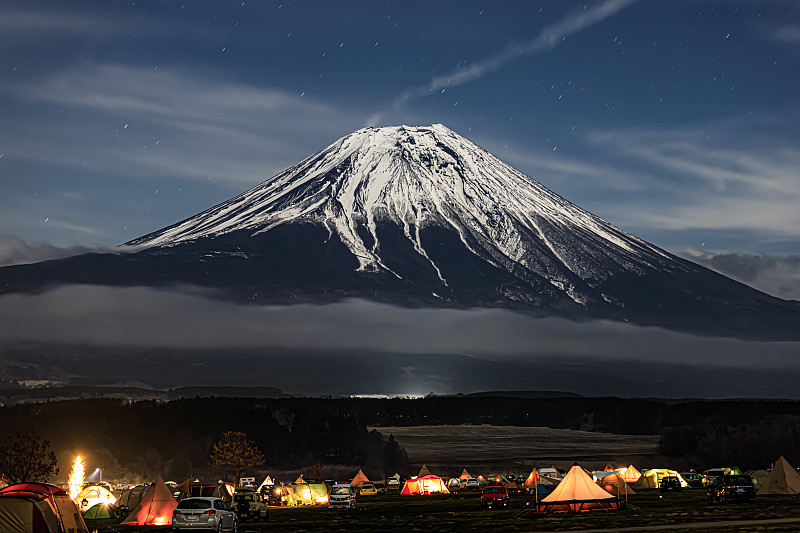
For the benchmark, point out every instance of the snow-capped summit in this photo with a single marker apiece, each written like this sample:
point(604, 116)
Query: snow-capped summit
point(420, 177)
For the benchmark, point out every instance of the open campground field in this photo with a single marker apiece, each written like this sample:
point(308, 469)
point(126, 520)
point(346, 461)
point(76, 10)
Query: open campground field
point(501, 449)
point(686, 511)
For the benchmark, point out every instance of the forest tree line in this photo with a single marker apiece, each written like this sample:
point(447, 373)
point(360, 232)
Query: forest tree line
point(175, 436)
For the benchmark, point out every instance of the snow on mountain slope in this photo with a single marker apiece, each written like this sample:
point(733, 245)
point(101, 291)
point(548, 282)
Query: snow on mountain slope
point(417, 177)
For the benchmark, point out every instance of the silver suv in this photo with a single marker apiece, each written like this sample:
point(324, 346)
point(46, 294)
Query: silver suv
point(250, 504)
point(204, 513)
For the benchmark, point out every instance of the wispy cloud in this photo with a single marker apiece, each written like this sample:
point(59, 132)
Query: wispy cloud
point(15, 251)
point(547, 39)
point(170, 122)
point(776, 275)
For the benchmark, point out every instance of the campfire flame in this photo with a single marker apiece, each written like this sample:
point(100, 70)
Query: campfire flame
point(76, 477)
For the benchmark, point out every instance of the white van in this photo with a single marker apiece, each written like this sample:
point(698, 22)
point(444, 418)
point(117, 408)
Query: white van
point(342, 496)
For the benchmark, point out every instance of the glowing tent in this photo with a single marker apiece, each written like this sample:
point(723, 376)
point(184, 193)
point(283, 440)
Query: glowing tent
point(38, 508)
point(650, 479)
point(577, 493)
point(533, 479)
point(424, 471)
point(630, 475)
point(464, 475)
point(155, 508)
point(359, 479)
point(429, 484)
point(100, 511)
point(267, 483)
point(92, 495)
point(783, 479)
point(614, 484)
point(310, 493)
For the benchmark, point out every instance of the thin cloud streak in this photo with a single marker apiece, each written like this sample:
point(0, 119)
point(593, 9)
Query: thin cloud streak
point(547, 39)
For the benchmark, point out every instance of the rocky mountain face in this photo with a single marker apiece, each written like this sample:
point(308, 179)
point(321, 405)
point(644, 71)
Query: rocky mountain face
point(420, 216)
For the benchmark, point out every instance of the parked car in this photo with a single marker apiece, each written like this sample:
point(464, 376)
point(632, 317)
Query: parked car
point(204, 513)
point(380, 486)
point(472, 484)
point(342, 496)
point(250, 504)
point(670, 484)
point(693, 479)
point(732, 488)
point(494, 495)
point(368, 489)
point(712, 474)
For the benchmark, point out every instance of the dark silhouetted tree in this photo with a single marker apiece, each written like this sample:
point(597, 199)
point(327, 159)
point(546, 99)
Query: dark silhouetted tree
point(235, 452)
point(26, 457)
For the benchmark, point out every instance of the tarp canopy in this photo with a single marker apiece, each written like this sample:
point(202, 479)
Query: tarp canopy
point(578, 493)
point(39, 507)
point(155, 509)
point(429, 484)
point(783, 479)
point(360, 478)
point(99, 511)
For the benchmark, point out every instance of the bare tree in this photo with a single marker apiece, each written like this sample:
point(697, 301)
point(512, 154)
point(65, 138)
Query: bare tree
point(235, 452)
point(26, 457)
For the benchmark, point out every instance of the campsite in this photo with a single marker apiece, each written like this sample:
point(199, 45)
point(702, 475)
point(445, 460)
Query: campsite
point(462, 512)
point(589, 478)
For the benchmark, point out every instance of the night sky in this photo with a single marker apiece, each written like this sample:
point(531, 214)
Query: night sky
point(677, 121)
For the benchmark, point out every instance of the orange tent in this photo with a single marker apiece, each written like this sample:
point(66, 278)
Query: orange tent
point(359, 479)
point(630, 475)
point(614, 484)
point(578, 493)
point(533, 480)
point(429, 484)
point(424, 471)
point(155, 509)
point(464, 475)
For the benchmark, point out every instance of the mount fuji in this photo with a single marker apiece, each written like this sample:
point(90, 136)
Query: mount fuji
point(422, 217)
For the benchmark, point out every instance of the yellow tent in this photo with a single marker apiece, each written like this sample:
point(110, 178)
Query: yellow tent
point(630, 475)
point(155, 509)
point(783, 479)
point(577, 493)
point(650, 479)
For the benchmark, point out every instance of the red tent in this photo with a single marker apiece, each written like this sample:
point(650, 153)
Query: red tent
point(429, 484)
point(38, 508)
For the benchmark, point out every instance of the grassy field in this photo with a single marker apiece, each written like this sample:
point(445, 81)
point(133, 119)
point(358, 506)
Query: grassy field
point(507, 449)
point(687, 511)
